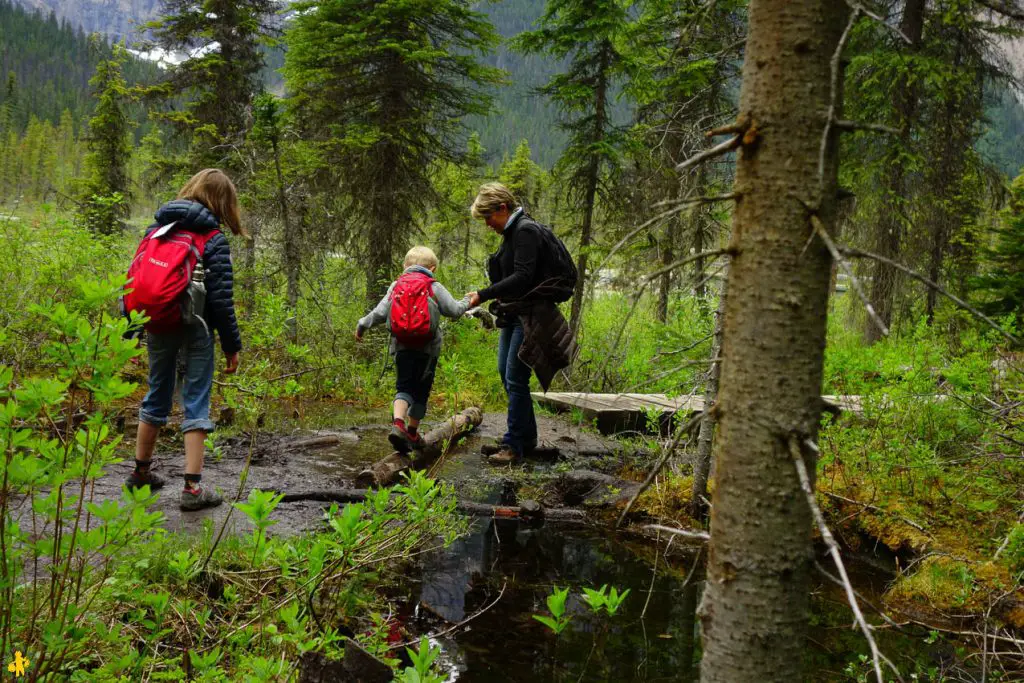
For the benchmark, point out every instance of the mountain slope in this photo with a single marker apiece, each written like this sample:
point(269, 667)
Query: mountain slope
point(116, 19)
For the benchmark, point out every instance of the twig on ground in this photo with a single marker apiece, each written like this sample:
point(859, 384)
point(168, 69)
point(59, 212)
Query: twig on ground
point(805, 483)
point(868, 506)
point(669, 451)
point(860, 253)
point(685, 533)
point(819, 229)
point(459, 625)
point(712, 152)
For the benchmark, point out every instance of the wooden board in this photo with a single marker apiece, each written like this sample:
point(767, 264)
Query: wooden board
point(623, 412)
point(629, 412)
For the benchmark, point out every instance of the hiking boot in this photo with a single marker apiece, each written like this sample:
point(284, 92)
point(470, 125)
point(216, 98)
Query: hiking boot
point(505, 456)
point(137, 480)
point(197, 499)
point(491, 448)
point(415, 441)
point(400, 439)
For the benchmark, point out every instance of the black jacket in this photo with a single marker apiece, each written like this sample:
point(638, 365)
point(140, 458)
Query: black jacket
point(220, 277)
point(515, 268)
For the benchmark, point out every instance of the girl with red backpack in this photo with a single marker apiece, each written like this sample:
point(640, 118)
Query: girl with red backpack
point(413, 308)
point(184, 252)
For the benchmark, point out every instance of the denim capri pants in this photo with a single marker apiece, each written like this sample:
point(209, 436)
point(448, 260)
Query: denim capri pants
point(196, 344)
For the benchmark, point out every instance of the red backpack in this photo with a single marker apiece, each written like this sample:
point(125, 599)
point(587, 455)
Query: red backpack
point(411, 321)
point(160, 274)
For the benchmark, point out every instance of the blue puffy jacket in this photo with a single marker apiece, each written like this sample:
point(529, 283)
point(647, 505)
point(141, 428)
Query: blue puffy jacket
point(220, 277)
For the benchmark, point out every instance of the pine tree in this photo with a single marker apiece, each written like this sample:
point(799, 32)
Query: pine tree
point(223, 41)
point(106, 195)
point(523, 176)
point(383, 86)
point(1000, 288)
point(591, 35)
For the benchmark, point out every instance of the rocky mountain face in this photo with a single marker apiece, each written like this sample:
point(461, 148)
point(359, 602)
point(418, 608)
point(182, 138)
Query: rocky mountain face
point(115, 18)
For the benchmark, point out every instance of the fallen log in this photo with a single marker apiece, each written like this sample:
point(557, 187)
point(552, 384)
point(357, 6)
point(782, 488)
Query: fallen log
point(527, 510)
point(436, 443)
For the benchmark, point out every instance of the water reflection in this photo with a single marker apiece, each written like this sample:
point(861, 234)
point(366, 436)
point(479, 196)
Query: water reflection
point(507, 644)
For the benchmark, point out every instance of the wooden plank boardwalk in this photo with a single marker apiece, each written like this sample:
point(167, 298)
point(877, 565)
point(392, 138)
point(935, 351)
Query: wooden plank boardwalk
point(632, 412)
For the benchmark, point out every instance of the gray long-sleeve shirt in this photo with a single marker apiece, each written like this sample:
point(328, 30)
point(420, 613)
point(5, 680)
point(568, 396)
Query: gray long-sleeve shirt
point(442, 302)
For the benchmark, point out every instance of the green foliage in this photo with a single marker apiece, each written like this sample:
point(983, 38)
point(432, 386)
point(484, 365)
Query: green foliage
point(422, 660)
point(602, 599)
point(1000, 287)
point(558, 620)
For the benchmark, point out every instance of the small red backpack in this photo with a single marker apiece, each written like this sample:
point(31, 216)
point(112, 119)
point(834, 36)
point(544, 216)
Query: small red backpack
point(160, 274)
point(411, 321)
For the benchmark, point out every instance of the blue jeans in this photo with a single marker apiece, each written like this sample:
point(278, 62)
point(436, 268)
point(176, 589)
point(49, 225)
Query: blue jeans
point(197, 346)
point(515, 376)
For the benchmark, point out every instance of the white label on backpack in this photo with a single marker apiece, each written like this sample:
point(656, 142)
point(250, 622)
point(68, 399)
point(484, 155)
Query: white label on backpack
point(164, 230)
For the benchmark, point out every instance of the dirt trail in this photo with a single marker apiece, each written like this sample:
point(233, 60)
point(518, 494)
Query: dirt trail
point(278, 465)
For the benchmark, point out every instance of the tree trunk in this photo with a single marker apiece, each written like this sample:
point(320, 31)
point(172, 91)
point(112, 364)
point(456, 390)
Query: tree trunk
point(706, 436)
point(668, 255)
point(292, 257)
point(890, 229)
point(755, 608)
point(593, 178)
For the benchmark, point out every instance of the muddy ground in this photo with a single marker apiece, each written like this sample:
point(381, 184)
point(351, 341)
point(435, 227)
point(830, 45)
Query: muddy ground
point(281, 462)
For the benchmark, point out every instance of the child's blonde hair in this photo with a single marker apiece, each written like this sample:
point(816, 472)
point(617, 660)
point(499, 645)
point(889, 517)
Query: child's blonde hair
point(421, 256)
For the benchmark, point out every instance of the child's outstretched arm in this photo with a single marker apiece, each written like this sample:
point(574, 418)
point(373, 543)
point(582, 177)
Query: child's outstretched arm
point(377, 316)
point(447, 304)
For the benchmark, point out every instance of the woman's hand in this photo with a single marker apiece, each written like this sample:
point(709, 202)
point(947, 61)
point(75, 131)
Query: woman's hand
point(474, 299)
point(232, 363)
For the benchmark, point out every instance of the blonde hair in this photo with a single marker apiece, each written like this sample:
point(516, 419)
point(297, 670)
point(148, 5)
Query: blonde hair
point(421, 256)
point(489, 199)
point(213, 189)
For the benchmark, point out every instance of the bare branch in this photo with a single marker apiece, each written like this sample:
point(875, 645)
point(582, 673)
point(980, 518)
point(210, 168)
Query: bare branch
point(844, 125)
point(836, 65)
point(860, 253)
point(1006, 9)
point(881, 20)
point(716, 151)
point(833, 548)
point(819, 229)
point(685, 533)
point(669, 450)
point(686, 348)
point(650, 277)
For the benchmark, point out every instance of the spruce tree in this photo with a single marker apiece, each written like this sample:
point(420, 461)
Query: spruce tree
point(383, 86)
point(591, 36)
point(1000, 287)
point(223, 43)
point(106, 195)
point(523, 176)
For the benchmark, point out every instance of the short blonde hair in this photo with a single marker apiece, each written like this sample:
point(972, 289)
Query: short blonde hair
point(421, 256)
point(489, 199)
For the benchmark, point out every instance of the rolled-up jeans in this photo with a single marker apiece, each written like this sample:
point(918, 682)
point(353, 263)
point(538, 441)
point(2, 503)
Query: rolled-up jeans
point(196, 343)
point(515, 376)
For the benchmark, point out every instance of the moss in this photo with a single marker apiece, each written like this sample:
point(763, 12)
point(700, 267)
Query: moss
point(940, 583)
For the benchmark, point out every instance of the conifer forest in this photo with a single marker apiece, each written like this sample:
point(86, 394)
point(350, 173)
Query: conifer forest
point(520, 340)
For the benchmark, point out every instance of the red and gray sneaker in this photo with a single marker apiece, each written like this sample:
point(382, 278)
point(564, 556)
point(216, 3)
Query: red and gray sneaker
point(199, 498)
point(402, 441)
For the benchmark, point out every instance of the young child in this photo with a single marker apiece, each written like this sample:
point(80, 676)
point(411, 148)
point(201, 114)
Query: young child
point(415, 340)
point(206, 202)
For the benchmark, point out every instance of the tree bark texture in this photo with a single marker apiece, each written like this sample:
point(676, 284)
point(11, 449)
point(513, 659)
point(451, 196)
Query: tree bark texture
point(292, 257)
point(706, 436)
point(890, 230)
point(755, 609)
point(436, 443)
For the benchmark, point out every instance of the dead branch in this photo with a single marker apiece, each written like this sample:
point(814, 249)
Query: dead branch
point(459, 625)
point(881, 20)
point(716, 151)
point(650, 277)
point(847, 126)
point(691, 347)
point(1004, 8)
point(734, 128)
point(868, 506)
point(685, 533)
point(819, 229)
point(830, 118)
point(860, 253)
point(669, 451)
point(805, 483)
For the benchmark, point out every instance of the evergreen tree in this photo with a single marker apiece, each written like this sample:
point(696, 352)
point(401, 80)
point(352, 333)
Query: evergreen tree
point(223, 41)
point(383, 85)
point(106, 193)
point(1000, 288)
point(592, 36)
point(523, 176)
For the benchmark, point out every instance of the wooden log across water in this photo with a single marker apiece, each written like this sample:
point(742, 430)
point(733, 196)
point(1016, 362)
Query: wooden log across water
point(436, 443)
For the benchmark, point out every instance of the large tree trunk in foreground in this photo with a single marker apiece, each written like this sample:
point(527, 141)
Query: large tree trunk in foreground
point(435, 444)
point(755, 607)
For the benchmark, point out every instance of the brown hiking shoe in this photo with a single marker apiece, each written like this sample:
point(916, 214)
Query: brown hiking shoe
point(492, 448)
point(137, 480)
point(505, 456)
